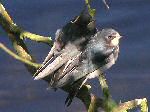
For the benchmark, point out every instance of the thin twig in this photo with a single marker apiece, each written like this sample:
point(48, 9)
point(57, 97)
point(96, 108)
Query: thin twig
point(122, 107)
point(105, 3)
point(3, 47)
point(11, 27)
point(35, 37)
point(91, 11)
point(5, 14)
point(109, 103)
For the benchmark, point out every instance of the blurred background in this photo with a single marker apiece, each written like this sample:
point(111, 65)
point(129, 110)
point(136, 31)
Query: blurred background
point(128, 79)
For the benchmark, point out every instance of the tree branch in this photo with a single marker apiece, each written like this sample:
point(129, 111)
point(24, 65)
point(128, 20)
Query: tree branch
point(35, 37)
point(109, 103)
point(8, 24)
point(18, 57)
point(122, 107)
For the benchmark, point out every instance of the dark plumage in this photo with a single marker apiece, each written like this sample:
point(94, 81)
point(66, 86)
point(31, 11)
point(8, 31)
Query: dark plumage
point(70, 63)
point(79, 52)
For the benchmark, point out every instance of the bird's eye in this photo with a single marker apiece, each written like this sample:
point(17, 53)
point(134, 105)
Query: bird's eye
point(110, 37)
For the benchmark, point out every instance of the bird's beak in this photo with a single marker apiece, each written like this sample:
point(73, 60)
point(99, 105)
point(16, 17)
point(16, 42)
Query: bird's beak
point(120, 37)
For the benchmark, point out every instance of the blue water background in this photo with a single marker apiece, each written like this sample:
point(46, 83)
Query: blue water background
point(128, 79)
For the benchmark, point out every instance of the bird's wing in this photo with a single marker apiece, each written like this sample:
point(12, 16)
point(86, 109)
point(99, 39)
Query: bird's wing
point(56, 47)
point(46, 61)
point(64, 58)
point(75, 69)
point(53, 66)
point(71, 64)
point(87, 65)
point(54, 52)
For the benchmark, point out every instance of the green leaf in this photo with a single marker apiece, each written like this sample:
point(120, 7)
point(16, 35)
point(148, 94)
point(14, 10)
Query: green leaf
point(92, 12)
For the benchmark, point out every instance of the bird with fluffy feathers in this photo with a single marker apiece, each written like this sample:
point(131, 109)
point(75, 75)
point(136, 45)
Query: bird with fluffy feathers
point(80, 52)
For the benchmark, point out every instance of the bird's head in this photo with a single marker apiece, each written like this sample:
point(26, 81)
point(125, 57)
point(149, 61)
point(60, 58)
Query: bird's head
point(111, 37)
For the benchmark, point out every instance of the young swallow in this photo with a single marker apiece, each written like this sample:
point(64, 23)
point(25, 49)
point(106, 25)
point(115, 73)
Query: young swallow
point(79, 53)
point(71, 63)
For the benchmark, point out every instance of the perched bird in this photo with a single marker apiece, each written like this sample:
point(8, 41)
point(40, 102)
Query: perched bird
point(71, 64)
point(79, 53)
